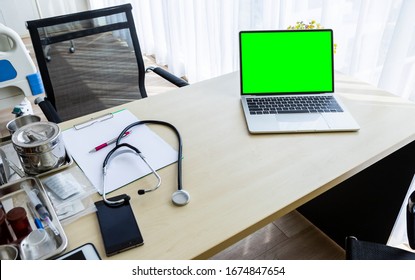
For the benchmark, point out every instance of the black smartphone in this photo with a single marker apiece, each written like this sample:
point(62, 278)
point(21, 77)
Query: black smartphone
point(119, 228)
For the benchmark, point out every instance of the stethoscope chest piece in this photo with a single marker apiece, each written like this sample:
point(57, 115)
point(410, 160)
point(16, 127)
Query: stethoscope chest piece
point(180, 197)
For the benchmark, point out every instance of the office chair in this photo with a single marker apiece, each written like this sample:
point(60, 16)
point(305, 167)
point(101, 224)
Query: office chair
point(90, 61)
point(364, 250)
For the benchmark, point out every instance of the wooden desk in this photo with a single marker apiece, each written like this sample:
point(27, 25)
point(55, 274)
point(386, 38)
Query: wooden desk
point(240, 182)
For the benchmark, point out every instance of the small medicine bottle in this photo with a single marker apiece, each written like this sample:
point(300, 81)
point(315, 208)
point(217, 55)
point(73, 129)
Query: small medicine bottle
point(5, 236)
point(19, 222)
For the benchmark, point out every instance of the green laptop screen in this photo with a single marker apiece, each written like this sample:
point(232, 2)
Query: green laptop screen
point(286, 61)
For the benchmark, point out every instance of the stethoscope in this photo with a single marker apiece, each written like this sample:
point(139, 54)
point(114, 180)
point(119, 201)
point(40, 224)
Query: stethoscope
point(179, 197)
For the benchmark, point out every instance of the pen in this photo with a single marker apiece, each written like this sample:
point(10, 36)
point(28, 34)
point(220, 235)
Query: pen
point(112, 141)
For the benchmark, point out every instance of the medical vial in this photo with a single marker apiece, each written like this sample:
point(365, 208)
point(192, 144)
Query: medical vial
point(19, 222)
point(5, 236)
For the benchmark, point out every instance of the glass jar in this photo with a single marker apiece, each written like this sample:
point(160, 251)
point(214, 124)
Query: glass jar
point(5, 236)
point(19, 222)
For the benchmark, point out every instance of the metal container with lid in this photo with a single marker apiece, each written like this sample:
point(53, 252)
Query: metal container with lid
point(18, 122)
point(39, 146)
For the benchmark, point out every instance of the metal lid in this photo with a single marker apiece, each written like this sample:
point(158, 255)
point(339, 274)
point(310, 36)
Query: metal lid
point(36, 134)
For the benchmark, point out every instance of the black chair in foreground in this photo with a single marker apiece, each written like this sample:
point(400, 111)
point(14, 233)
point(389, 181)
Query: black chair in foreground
point(90, 61)
point(364, 250)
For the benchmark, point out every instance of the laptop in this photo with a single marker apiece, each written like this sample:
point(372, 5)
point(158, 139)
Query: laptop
point(287, 82)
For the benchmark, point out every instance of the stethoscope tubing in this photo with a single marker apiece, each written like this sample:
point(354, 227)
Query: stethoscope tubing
point(180, 148)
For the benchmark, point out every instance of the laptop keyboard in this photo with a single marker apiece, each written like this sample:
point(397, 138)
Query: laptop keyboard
point(293, 104)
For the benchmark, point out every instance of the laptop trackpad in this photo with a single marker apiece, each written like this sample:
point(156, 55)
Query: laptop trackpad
point(301, 122)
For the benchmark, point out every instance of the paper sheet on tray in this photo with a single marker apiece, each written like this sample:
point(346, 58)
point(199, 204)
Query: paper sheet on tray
point(126, 167)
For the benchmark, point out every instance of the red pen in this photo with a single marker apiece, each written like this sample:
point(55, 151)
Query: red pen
point(112, 141)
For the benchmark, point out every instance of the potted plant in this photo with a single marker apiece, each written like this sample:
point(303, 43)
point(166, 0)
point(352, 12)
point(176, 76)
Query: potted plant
point(312, 24)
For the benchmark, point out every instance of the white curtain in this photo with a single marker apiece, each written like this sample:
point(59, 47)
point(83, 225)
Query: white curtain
point(199, 38)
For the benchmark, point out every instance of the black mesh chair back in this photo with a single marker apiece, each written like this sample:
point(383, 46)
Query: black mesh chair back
point(89, 61)
point(365, 250)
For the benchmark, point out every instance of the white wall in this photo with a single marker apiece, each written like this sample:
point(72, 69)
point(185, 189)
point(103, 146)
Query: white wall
point(14, 13)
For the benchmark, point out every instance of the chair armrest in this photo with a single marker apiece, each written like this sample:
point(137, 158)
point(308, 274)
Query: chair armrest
point(48, 110)
point(168, 76)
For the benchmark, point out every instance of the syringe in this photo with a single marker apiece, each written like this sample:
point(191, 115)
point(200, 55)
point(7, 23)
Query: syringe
point(40, 209)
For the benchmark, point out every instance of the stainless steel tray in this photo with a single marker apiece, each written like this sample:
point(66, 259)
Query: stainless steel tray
point(12, 195)
point(14, 170)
